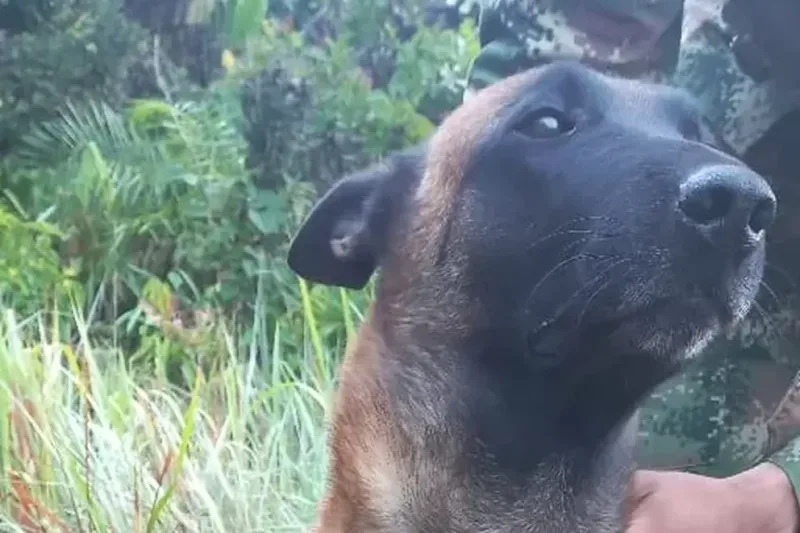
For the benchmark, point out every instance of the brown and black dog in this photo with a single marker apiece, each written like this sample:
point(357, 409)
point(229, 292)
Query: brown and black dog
point(556, 249)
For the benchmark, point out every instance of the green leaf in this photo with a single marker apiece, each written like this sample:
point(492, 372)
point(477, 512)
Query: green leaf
point(189, 420)
point(245, 19)
point(265, 222)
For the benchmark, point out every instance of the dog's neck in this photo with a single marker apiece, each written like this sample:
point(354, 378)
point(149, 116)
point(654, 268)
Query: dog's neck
point(512, 423)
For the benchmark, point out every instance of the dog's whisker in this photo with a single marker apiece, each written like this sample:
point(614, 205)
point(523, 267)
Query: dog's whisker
point(556, 268)
point(777, 301)
point(594, 295)
point(615, 261)
point(553, 235)
point(562, 229)
point(767, 320)
point(589, 234)
point(781, 331)
point(791, 280)
point(582, 255)
point(589, 300)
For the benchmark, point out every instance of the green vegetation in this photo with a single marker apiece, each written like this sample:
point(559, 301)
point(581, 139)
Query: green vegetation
point(160, 367)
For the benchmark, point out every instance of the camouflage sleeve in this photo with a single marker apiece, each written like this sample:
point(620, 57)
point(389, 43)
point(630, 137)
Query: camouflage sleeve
point(519, 34)
point(501, 51)
point(784, 435)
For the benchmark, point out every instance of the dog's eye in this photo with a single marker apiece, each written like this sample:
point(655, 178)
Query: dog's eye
point(544, 123)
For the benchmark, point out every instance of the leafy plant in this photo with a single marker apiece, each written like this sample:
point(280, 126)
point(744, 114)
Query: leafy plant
point(199, 192)
point(69, 49)
point(30, 269)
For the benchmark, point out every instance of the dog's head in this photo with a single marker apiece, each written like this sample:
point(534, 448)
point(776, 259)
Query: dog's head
point(558, 206)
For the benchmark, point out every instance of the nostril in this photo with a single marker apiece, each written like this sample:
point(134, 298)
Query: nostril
point(707, 204)
point(724, 200)
point(762, 216)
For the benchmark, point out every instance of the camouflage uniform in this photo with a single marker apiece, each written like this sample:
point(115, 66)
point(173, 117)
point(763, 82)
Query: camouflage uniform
point(740, 403)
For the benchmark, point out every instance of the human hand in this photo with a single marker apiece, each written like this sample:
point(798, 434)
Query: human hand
point(759, 500)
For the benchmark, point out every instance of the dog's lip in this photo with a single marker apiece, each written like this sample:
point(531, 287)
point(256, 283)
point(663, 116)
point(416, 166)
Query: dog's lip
point(712, 307)
point(704, 307)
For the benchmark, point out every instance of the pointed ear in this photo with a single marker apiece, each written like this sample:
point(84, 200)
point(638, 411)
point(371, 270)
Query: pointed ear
point(342, 239)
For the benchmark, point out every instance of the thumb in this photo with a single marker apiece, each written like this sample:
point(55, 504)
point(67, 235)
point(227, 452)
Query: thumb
point(642, 484)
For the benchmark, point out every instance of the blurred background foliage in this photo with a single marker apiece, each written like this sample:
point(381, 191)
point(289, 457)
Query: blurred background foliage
point(157, 155)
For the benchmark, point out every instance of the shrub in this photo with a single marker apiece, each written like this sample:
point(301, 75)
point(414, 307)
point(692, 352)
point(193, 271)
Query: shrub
point(200, 190)
point(30, 269)
point(68, 49)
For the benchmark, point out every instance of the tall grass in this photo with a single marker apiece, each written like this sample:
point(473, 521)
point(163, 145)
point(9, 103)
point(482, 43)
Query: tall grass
point(89, 444)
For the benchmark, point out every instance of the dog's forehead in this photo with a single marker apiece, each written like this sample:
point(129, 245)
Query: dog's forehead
point(569, 82)
point(628, 96)
point(456, 139)
point(451, 148)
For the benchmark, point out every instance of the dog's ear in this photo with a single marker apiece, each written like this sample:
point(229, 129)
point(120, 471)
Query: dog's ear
point(341, 241)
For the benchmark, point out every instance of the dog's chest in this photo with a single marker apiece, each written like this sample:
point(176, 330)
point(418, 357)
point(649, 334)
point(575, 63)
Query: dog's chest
point(547, 504)
point(548, 501)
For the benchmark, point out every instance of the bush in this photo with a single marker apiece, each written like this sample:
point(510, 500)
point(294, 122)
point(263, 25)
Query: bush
point(30, 269)
point(78, 50)
point(202, 191)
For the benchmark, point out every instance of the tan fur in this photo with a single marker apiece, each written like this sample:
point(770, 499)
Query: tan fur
point(451, 149)
point(366, 484)
point(385, 472)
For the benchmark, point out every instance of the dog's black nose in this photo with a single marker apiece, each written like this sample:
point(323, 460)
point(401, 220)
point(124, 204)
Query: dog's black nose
point(727, 198)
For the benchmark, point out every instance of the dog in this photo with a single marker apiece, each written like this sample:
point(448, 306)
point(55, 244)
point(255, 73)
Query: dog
point(561, 245)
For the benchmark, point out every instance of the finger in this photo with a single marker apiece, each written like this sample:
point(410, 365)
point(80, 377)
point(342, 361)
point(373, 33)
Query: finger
point(644, 482)
point(638, 525)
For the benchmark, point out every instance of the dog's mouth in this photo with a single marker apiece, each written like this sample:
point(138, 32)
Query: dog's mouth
point(550, 343)
point(663, 310)
point(702, 309)
point(663, 327)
